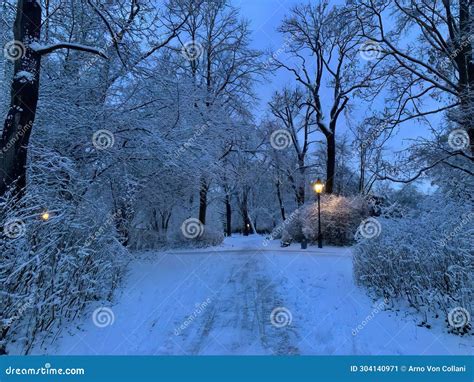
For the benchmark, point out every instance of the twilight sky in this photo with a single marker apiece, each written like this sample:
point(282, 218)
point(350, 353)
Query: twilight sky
point(265, 17)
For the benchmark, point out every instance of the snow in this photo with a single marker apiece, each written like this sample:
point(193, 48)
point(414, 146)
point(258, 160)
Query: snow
point(48, 48)
point(25, 76)
point(219, 301)
point(35, 45)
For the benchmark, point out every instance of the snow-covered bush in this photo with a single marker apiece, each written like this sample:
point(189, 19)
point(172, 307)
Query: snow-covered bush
point(340, 217)
point(145, 239)
point(291, 229)
point(207, 237)
point(426, 256)
point(57, 253)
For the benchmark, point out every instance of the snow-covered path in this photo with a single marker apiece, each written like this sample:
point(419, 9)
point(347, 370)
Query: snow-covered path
point(220, 301)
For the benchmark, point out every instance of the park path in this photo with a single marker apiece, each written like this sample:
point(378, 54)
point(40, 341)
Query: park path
point(247, 299)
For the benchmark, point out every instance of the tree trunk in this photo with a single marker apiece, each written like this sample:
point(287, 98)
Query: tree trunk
point(280, 201)
point(465, 67)
point(245, 215)
point(203, 201)
point(24, 98)
point(331, 163)
point(295, 187)
point(228, 215)
point(165, 219)
point(362, 172)
point(300, 197)
point(246, 222)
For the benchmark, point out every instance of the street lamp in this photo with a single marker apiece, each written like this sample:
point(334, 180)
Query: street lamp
point(318, 188)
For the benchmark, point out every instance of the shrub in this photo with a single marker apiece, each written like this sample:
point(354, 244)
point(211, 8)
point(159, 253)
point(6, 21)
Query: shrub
point(52, 266)
point(209, 237)
point(425, 257)
point(340, 217)
point(146, 239)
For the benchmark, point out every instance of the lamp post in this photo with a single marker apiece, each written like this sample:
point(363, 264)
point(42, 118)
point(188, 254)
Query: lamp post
point(318, 188)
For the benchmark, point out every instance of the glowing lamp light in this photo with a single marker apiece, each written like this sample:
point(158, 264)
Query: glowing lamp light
point(45, 216)
point(318, 186)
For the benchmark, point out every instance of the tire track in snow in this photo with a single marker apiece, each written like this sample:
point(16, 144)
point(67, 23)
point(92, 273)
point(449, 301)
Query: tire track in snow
point(238, 319)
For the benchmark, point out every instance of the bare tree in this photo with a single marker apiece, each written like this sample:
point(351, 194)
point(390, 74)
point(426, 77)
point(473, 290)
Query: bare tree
point(326, 66)
point(432, 74)
point(293, 110)
point(370, 137)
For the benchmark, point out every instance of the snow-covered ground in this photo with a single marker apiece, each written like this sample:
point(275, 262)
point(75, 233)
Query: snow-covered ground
point(249, 297)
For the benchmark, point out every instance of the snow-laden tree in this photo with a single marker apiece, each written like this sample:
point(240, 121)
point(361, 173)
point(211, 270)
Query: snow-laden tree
point(99, 138)
point(26, 50)
point(292, 110)
point(218, 57)
point(59, 251)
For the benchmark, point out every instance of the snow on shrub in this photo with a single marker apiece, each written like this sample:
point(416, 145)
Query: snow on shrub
point(340, 218)
point(207, 236)
point(191, 234)
point(291, 229)
point(426, 257)
point(57, 253)
point(147, 239)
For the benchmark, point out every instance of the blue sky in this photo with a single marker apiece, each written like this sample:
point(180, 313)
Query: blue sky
point(265, 17)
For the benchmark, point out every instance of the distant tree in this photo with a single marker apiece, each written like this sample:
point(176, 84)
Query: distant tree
point(293, 111)
point(216, 46)
point(326, 63)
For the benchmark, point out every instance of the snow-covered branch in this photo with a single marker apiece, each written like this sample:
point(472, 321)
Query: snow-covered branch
point(46, 49)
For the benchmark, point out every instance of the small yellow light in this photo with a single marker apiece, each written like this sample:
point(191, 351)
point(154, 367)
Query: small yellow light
point(45, 216)
point(318, 186)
